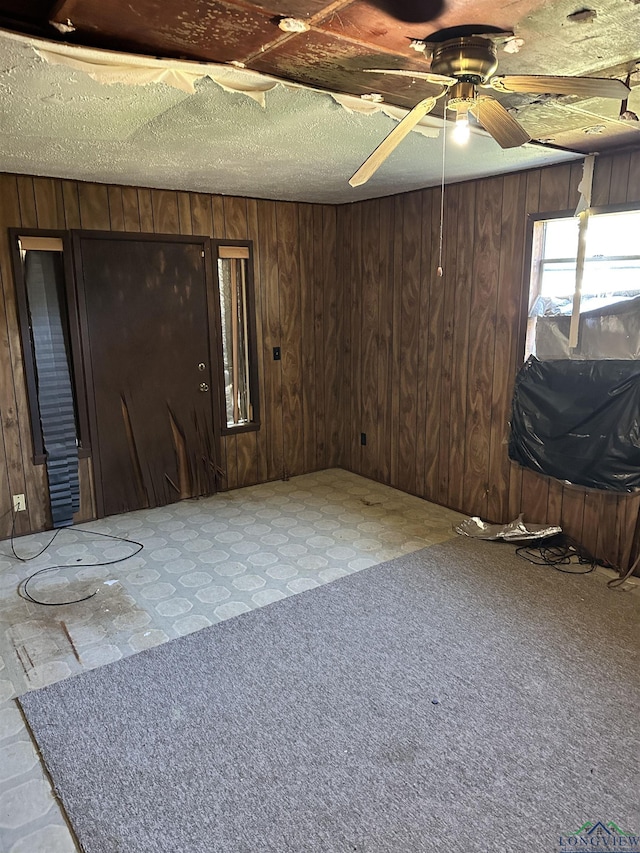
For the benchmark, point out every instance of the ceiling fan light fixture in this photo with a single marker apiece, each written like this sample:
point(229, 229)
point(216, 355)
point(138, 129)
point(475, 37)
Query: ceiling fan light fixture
point(462, 100)
point(461, 131)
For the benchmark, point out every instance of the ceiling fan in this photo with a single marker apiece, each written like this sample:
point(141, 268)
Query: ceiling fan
point(462, 62)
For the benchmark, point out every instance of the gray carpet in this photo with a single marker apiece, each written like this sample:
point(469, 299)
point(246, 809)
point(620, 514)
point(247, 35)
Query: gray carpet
point(457, 699)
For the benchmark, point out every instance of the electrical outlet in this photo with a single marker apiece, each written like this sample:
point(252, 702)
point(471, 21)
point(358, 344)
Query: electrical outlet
point(19, 503)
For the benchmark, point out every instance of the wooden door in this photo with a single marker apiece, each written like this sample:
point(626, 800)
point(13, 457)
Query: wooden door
point(146, 336)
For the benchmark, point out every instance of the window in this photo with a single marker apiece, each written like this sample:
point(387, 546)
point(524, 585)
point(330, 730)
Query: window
point(609, 316)
point(49, 339)
point(238, 338)
point(50, 343)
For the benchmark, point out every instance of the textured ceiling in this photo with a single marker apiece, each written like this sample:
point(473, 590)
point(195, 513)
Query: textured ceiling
point(300, 144)
point(342, 37)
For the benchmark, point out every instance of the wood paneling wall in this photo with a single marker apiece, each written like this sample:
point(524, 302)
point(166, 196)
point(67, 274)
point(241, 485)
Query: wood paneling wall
point(297, 309)
point(430, 362)
point(373, 341)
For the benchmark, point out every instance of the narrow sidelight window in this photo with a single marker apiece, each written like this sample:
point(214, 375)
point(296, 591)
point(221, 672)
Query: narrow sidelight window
point(238, 339)
point(49, 367)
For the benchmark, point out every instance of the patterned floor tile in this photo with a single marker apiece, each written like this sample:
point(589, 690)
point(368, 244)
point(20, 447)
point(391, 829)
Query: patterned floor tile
point(202, 561)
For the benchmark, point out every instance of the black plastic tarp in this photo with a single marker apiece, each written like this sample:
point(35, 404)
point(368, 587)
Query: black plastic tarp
point(579, 421)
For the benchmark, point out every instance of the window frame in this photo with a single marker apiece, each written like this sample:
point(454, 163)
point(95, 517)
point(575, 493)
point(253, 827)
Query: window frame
point(255, 424)
point(28, 358)
point(532, 257)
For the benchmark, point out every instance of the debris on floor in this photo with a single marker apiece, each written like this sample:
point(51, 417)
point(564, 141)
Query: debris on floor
point(515, 531)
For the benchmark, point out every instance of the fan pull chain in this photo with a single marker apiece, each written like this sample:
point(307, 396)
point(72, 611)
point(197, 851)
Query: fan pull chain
point(440, 271)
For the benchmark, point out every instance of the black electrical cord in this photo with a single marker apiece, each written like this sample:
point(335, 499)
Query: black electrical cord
point(557, 551)
point(23, 587)
point(13, 548)
point(615, 582)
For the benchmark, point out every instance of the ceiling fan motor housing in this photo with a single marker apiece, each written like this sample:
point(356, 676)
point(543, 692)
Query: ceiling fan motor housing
point(462, 97)
point(469, 59)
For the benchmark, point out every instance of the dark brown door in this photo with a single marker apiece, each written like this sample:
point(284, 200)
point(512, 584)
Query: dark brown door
point(146, 343)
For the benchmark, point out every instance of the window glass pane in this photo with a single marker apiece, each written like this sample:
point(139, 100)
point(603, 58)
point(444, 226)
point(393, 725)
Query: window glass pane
point(558, 280)
point(605, 280)
point(561, 238)
point(613, 234)
point(232, 281)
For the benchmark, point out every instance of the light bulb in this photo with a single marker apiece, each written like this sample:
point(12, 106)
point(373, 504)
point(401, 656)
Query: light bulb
point(461, 129)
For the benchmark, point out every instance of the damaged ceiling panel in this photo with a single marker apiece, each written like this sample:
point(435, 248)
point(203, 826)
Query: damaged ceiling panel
point(558, 37)
point(314, 59)
point(215, 31)
point(302, 145)
point(594, 123)
point(327, 46)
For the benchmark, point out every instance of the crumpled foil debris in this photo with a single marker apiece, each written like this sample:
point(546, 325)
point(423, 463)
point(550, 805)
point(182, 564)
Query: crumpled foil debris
point(515, 531)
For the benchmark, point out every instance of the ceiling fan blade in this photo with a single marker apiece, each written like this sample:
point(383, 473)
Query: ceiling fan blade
point(417, 75)
point(588, 87)
point(506, 131)
point(391, 141)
